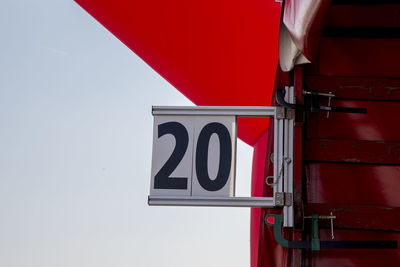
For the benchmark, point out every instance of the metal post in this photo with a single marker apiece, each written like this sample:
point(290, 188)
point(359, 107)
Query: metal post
point(278, 159)
point(288, 218)
point(276, 168)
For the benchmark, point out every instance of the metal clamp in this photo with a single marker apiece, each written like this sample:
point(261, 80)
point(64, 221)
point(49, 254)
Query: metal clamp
point(330, 217)
point(283, 199)
point(280, 113)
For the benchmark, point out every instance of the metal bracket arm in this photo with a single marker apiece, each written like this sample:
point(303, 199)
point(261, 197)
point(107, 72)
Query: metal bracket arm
point(276, 221)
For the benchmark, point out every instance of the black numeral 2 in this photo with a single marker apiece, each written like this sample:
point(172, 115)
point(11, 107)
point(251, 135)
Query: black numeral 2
point(162, 179)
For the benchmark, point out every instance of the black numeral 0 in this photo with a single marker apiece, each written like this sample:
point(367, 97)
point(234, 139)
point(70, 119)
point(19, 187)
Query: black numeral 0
point(162, 179)
point(225, 156)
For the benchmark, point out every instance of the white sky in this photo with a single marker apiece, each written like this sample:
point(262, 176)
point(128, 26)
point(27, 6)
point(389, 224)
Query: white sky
point(75, 153)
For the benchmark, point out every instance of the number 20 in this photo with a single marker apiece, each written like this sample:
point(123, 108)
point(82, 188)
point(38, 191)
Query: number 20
point(163, 180)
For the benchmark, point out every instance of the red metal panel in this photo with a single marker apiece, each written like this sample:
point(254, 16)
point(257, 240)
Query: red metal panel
point(380, 123)
point(358, 216)
point(356, 151)
point(363, 15)
point(359, 57)
point(353, 184)
point(355, 87)
point(362, 196)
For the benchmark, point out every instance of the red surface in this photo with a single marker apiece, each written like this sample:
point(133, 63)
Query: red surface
point(353, 184)
point(352, 151)
point(271, 219)
point(214, 52)
point(352, 165)
point(258, 174)
point(359, 57)
point(363, 16)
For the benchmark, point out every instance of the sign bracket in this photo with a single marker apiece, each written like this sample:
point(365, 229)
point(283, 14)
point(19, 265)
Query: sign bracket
point(283, 159)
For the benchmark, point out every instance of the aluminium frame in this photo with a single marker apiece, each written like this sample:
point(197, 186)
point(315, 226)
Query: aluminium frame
point(283, 156)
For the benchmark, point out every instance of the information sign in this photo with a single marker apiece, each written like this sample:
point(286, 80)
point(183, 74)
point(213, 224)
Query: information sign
point(193, 156)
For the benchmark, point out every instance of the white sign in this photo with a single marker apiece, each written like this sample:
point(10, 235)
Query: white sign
point(193, 156)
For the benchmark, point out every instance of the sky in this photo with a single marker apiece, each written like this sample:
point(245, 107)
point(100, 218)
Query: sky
point(75, 153)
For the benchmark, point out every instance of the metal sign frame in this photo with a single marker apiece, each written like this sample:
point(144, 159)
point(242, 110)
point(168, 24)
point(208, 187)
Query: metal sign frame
point(283, 156)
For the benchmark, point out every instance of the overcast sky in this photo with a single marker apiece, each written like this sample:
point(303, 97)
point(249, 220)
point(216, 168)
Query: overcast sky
point(75, 153)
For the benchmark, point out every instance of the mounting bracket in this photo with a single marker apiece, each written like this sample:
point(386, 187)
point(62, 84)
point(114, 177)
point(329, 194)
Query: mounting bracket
point(315, 106)
point(276, 221)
